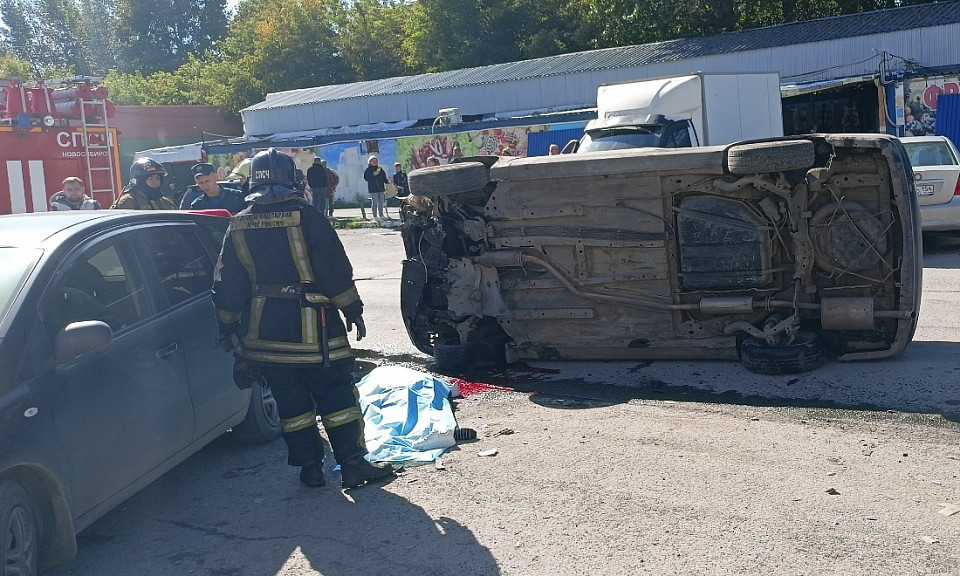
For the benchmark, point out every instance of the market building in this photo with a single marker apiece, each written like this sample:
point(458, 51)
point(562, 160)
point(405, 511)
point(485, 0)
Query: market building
point(880, 71)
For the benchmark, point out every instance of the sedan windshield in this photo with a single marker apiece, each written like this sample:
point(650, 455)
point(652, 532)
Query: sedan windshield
point(15, 266)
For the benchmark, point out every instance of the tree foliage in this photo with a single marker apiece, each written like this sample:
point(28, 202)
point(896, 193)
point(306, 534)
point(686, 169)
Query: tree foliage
point(445, 35)
point(370, 36)
point(160, 34)
point(13, 67)
point(188, 52)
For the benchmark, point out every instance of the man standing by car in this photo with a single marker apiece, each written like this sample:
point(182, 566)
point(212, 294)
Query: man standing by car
point(72, 197)
point(280, 283)
point(211, 194)
point(144, 192)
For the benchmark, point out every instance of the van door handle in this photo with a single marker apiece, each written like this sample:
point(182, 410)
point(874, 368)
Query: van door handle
point(166, 352)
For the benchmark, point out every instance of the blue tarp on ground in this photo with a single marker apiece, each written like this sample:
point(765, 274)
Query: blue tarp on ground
point(407, 415)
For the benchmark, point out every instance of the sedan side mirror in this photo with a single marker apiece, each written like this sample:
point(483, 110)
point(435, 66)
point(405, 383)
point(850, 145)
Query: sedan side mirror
point(80, 338)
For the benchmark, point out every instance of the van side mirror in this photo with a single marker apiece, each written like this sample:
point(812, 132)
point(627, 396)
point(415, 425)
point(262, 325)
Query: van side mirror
point(571, 147)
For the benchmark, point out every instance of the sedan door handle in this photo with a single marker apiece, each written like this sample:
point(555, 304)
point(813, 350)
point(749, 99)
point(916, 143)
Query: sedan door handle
point(164, 353)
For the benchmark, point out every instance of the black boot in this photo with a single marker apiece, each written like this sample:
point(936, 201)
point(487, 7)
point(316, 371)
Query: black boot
point(357, 471)
point(312, 475)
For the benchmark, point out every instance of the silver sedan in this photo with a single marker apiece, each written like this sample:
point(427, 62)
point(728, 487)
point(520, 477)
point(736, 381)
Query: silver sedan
point(936, 168)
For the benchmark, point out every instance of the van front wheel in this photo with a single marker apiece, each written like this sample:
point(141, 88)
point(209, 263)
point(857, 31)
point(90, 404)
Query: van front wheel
point(448, 179)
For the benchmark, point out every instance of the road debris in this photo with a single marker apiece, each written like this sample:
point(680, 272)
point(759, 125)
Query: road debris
point(490, 452)
point(243, 470)
point(949, 509)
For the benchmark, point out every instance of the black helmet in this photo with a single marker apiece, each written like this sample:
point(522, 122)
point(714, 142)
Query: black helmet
point(143, 168)
point(273, 177)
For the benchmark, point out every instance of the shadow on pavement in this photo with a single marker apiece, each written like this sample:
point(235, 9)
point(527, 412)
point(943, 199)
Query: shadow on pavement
point(904, 387)
point(254, 518)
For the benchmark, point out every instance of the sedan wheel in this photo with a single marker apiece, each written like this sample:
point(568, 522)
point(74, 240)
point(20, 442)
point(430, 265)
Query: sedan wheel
point(19, 552)
point(262, 423)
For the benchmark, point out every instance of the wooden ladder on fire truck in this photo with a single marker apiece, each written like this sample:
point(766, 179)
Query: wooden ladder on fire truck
point(99, 157)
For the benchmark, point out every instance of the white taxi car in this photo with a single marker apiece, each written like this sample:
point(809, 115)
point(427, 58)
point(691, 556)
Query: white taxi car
point(936, 169)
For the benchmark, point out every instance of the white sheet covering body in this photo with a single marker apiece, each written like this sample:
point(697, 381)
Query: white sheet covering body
point(407, 415)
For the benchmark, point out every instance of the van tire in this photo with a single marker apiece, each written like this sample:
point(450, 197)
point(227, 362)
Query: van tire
point(448, 179)
point(779, 156)
point(807, 352)
point(449, 357)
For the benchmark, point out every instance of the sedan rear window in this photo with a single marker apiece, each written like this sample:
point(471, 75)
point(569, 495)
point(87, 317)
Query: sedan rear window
point(930, 154)
point(17, 265)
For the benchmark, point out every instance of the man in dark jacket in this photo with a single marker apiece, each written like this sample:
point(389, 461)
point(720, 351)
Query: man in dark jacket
point(333, 179)
point(317, 179)
point(400, 180)
point(280, 284)
point(208, 194)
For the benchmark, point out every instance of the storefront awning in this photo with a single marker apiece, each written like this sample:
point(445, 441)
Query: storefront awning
point(185, 153)
point(796, 89)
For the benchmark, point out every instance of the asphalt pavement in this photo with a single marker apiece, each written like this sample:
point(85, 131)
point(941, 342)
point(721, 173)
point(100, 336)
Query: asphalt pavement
point(601, 468)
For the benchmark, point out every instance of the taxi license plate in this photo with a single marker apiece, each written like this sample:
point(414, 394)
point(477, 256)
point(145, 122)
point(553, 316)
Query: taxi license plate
point(925, 189)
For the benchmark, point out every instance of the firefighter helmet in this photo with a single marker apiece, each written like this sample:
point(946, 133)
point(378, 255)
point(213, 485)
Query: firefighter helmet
point(273, 177)
point(143, 168)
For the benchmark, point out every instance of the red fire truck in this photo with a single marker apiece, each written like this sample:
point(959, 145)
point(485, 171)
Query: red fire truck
point(50, 131)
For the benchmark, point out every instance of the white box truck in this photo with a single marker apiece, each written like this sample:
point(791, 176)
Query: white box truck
point(701, 109)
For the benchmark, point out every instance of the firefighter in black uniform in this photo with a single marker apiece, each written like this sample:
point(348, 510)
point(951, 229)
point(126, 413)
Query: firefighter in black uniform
point(144, 191)
point(281, 282)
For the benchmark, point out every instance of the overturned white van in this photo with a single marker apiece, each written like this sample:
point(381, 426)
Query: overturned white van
point(776, 252)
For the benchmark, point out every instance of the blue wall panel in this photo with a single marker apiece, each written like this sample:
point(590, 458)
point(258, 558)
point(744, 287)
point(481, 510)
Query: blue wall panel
point(538, 143)
point(948, 117)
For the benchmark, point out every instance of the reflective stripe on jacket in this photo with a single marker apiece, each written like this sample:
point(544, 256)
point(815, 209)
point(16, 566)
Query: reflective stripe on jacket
point(285, 244)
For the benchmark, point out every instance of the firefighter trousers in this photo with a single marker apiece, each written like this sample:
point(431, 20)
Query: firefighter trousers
point(304, 391)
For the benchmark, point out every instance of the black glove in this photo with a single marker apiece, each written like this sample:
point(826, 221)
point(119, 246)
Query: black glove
point(361, 327)
point(244, 375)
